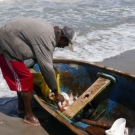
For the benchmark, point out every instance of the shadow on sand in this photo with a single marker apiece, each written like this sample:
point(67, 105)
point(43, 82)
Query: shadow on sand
point(13, 124)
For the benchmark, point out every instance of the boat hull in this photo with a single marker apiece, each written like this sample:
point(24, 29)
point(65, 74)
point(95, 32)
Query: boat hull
point(115, 101)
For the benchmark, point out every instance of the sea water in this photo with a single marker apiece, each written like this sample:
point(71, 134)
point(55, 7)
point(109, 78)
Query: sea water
point(105, 28)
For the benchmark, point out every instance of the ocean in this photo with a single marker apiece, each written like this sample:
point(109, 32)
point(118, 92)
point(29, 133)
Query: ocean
point(105, 28)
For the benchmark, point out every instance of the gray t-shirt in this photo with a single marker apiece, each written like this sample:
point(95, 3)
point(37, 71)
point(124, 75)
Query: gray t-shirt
point(26, 38)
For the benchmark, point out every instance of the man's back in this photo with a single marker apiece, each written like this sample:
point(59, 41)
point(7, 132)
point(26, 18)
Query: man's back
point(23, 38)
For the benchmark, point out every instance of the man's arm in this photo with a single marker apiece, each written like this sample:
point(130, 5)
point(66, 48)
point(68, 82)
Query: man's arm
point(44, 60)
point(50, 78)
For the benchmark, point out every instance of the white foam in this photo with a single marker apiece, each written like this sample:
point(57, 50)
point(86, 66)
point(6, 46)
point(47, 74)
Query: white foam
point(6, 0)
point(101, 44)
point(4, 89)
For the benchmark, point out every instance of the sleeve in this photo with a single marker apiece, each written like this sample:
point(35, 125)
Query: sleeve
point(44, 59)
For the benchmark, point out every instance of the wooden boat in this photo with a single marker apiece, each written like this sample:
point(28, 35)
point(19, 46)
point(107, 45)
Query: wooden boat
point(116, 99)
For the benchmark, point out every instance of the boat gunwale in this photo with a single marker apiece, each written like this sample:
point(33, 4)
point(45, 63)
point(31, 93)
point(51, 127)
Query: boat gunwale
point(58, 117)
point(94, 64)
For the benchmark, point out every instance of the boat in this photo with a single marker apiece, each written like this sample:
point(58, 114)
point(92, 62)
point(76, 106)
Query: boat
point(105, 94)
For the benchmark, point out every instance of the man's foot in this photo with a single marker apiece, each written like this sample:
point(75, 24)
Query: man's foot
point(32, 121)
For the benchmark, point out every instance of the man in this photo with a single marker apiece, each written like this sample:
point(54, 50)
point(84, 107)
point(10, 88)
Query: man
point(26, 38)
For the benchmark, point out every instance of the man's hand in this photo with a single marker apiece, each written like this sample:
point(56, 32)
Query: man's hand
point(59, 97)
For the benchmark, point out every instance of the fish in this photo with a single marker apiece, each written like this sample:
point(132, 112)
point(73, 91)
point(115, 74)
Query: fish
point(68, 100)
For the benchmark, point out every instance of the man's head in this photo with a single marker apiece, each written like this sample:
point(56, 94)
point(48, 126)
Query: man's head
point(67, 38)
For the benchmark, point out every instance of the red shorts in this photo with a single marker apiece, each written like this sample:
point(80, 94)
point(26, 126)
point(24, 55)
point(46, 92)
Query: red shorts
point(16, 74)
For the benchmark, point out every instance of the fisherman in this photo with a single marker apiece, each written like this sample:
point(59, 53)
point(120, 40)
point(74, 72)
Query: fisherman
point(31, 38)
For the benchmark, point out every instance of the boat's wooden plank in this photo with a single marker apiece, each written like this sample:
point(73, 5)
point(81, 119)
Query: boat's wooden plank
point(93, 130)
point(86, 97)
point(72, 128)
point(96, 123)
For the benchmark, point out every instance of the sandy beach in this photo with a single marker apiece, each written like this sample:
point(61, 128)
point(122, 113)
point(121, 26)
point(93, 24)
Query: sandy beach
point(11, 124)
point(124, 62)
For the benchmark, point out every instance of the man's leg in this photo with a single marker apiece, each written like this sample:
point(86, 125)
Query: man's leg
point(20, 79)
point(24, 106)
point(27, 99)
point(21, 109)
point(29, 116)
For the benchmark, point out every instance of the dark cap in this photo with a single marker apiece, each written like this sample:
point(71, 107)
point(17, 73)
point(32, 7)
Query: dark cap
point(70, 34)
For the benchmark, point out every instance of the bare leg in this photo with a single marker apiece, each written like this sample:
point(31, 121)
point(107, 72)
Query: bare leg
point(21, 108)
point(29, 117)
point(27, 98)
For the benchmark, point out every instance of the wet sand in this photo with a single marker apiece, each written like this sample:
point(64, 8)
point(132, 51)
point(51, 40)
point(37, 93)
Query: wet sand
point(124, 62)
point(11, 124)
